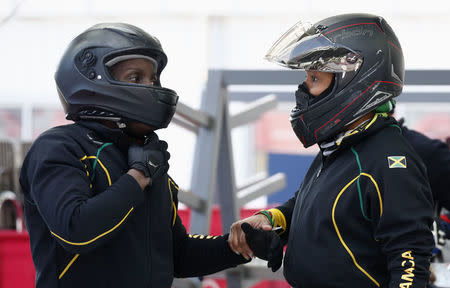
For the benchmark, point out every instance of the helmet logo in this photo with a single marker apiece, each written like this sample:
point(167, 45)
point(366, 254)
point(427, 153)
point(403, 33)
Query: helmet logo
point(374, 101)
point(353, 32)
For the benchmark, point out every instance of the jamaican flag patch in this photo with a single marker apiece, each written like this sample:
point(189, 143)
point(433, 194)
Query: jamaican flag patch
point(396, 161)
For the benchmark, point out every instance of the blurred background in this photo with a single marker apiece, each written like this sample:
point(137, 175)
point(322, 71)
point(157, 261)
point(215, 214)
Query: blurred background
point(197, 36)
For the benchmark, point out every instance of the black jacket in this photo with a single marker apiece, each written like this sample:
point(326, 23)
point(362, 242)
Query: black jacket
point(435, 155)
point(91, 225)
point(362, 216)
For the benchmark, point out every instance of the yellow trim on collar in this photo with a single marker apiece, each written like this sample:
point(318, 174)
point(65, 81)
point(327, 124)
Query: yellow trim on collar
point(357, 129)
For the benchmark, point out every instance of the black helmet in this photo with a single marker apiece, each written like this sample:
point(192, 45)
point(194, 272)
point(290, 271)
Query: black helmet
point(88, 91)
point(366, 58)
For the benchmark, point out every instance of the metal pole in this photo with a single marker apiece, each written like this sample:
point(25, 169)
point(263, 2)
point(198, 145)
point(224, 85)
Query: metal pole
point(204, 174)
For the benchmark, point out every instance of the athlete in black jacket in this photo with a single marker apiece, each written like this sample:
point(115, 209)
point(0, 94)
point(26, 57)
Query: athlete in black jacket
point(100, 208)
point(435, 154)
point(362, 215)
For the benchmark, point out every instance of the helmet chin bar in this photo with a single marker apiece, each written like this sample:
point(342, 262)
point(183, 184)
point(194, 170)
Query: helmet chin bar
point(121, 124)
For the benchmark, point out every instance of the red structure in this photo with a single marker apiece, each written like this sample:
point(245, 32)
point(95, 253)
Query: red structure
point(17, 270)
point(16, 266)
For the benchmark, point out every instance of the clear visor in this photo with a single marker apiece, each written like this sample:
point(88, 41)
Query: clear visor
point(133, 73)
point(305, 47)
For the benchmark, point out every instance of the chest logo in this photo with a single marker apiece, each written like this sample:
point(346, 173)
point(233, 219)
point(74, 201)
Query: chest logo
point(396, 161)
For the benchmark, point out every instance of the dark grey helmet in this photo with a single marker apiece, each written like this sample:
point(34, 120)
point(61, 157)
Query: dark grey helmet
point(366, 58)
point(88, 91)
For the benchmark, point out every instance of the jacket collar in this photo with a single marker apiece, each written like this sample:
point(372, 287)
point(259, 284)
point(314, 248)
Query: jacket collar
point(102, 134)
point(351, 137)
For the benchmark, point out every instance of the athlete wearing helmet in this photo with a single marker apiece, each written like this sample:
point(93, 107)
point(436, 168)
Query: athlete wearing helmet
point(362, 216)
point(100, 208)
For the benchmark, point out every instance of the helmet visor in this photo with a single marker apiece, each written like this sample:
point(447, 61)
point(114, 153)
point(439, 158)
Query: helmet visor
point(305, 47)
point(122, 70)
point(121, 58)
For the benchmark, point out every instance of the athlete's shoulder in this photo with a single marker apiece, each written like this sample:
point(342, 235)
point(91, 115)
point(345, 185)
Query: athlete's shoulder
point(388, 148)
point(63, 131)
point(389, 140)
point(56, 141)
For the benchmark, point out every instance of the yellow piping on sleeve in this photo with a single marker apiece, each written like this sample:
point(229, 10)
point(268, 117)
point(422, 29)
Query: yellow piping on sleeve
point(68, 266)
point(202, 237)
point(92, 240)
point(96, 238)
point(174, 213)
point(339, 234)
point(170, 188)
point(101, 165)
point(105, 233)
point(170, 181)
point(174, 184)
point(279, 219)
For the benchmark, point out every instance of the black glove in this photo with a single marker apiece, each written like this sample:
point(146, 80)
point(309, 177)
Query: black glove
point(150, 158)
point(265, 244)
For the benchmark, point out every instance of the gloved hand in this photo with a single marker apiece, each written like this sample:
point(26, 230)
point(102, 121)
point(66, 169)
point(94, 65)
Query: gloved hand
point(265, 244)
point(150, 158)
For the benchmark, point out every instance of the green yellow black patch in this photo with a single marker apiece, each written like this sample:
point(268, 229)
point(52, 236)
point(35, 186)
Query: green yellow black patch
point(396, 161)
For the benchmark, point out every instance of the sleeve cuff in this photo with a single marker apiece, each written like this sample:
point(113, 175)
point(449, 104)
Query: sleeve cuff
point(278, 219)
